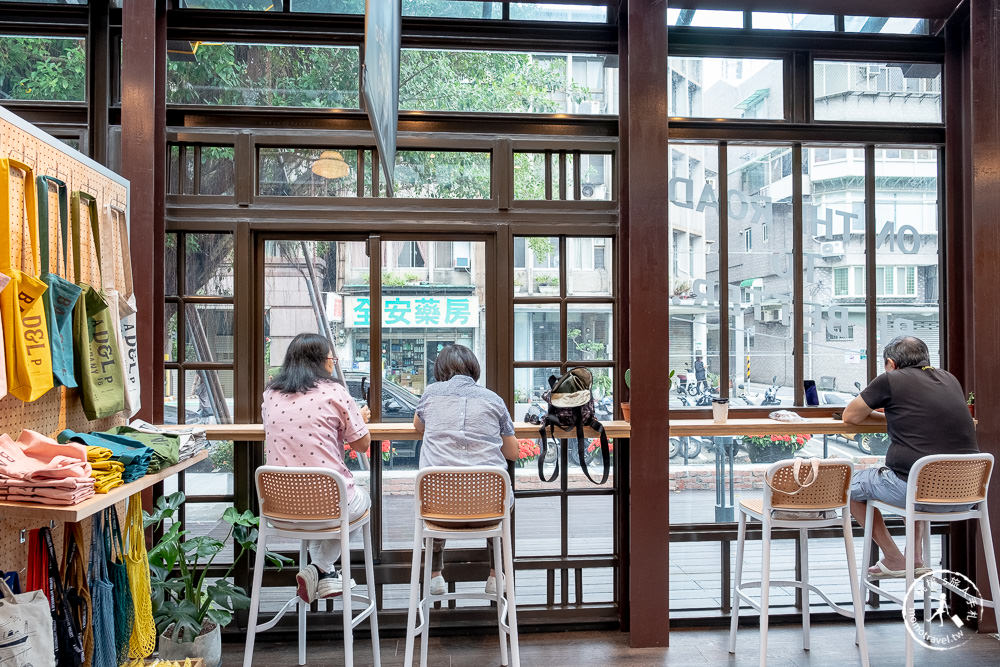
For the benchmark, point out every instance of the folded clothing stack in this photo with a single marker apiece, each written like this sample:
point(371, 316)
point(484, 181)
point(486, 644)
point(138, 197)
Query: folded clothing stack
point(191, 439)
point(165, 446)
point(35, 468)
point(107, 474)
point(133, 455)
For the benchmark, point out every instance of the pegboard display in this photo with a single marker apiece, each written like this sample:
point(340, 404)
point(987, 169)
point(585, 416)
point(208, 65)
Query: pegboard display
point(60, 408)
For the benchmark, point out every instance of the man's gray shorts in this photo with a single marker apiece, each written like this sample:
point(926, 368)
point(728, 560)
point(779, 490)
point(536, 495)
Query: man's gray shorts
point(883, 484)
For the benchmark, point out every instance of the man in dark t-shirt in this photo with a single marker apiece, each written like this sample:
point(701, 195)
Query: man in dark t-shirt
point(925, 413)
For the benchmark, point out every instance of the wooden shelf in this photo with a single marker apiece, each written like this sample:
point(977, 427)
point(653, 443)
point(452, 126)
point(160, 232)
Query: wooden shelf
point(764, 426)
point(94, 504)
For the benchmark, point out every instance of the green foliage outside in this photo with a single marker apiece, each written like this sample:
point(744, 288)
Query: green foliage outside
point(43, 68)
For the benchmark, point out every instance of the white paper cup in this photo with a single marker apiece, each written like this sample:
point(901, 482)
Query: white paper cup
point(720, 410)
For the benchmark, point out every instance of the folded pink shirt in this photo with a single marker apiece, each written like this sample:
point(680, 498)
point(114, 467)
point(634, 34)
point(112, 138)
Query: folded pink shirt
point(44, 495)
point(66, 483)
point(36, 457)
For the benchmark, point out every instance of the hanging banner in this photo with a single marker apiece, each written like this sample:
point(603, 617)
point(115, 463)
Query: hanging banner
point(380, 78)
point(415, 312)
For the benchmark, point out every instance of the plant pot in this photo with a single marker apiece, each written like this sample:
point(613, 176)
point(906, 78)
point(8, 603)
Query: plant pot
point(769, 454)
point(972, 410)
point(626, 412)
point(207, 646)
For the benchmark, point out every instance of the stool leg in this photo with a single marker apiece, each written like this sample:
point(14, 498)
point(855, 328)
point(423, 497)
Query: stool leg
point(991, 561)
point(498, 597)
point(910, 542)
point(508, 579)
point(303, 606)
point(857, 592)
point(426, 602)
point(866, 554)
point(765, 585)
point(346, 595)
point(927, 555)
point(258, 574)
point(370, 578)
point(804, 566)
point(737, 581)
point(411, 616)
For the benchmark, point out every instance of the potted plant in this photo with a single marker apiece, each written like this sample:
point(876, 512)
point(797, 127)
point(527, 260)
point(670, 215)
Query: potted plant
point(189, 608)
point(971, 402)
point(626, 406)
point(547, 284)
point(771, 448)
point(527, 451)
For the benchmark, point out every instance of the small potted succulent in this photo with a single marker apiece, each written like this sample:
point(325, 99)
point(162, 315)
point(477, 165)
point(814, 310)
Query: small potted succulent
point(971, 402)
point(626, 406)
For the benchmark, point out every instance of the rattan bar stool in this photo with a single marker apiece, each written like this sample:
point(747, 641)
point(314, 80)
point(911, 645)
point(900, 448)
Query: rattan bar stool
point(811, 499)
point(941, 479)
point(446, 496)
point(314, 500)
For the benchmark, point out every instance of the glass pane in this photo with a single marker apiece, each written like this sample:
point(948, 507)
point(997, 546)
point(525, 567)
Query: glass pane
point(170, 333)
point(170, 397)
point(442, 175)
point(529, 175)
point(883, 25)
point(705, 18)
point(725, 87)
point(170, 265)
point(43, 68)
point(833, 237)
point(872, 91)
point(576, 83)
point(295, 274)
point(781, 21)
point(452, 9)
point(523, 11)
point(907, 228)
point(209, 332)
point(208, 397)
point(693, 254)
point(760, 275)
point(217, 166)
point(265, 75)
point(209, 264)
point(234, 5)
point(590, 271)
point(218, 479)
point(590, 522)
point(529, 385)
point(536, 332)
point(536, 266)
point(329, 6)
point(595, 177)
point(308, 172)
point(589, 330)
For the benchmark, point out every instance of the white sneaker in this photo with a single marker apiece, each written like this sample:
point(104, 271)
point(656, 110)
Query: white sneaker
point(491, 586)
point(305, 583)
point(438, 585)
point(332, 585)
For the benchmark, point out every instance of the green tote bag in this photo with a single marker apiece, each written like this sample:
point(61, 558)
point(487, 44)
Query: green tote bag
point(61, 295)
point(98, 362)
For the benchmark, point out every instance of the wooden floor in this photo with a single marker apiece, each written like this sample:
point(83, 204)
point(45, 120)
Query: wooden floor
point(832, 646)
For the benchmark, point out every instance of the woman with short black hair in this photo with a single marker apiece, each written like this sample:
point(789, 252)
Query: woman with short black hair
point(309, 418)
point(463, 424)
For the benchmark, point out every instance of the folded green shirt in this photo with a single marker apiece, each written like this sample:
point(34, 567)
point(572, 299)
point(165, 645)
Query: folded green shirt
point(165, 446)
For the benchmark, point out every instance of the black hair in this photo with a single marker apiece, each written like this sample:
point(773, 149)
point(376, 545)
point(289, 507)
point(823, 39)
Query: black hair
point(906, 351)
point(304, 366)
point(456, 360)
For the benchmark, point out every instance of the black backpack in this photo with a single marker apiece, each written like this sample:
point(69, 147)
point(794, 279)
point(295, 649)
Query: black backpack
point(571, 406)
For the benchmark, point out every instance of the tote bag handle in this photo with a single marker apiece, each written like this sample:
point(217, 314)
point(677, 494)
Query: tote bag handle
point(30, 210)
point(62, 239)
point(115, 222)
point(80, 198)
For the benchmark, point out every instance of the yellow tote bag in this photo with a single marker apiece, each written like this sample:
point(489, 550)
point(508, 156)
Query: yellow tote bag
point(25, 331)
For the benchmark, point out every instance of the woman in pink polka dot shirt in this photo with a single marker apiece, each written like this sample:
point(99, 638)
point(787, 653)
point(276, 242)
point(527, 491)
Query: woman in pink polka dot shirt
point(309, 417)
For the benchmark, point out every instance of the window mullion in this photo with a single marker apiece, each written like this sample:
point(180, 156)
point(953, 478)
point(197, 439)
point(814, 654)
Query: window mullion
point(871, 291)
point(798, 276)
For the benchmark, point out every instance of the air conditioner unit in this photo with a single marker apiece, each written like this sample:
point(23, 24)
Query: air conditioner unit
point(771, 315)
point(831, 248)
point(462, 263)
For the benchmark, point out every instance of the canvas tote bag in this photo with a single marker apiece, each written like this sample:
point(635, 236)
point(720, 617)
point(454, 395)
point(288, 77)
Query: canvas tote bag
point(61, 295)
point(122, 304)
point(98, 363)
point(27, 629)
point(27, 352)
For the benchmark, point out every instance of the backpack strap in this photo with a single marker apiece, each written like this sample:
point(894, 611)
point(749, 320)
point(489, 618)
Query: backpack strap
point(582, 448)
point(541, 455)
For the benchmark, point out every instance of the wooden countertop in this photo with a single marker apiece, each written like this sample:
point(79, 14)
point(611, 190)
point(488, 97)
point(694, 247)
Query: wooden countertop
point(387, 431)
point(96, 503)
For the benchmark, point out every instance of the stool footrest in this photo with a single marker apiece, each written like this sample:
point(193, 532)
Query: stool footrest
point(843, 611)
point(263, 627)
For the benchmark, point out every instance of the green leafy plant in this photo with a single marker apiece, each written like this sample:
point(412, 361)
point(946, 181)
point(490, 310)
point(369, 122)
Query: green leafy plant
point(182, 594)
point(628, 377)
point(971, 400)
point(392, 280)
point(547, 280)
point(221, 455)
point(591, 349)
point(541, 246)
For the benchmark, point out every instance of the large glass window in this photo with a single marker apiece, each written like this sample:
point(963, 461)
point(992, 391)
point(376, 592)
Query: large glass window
point(886, 25)
point(530, 11)
point(725, 87)
point(433, 80)
point(783, 21)
point(877, 91)
point(704, 18)
point(43, 68)
point(235, 74)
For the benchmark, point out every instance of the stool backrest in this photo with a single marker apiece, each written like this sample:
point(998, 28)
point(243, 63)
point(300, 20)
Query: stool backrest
point(456, 493)
point(829, 491)
point(943, 478)
point(300, 493)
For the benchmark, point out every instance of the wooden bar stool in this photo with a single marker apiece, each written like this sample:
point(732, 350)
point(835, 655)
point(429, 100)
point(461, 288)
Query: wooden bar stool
point(447, 499)
point(941, 479)
point(303, 503)
point(800, 494)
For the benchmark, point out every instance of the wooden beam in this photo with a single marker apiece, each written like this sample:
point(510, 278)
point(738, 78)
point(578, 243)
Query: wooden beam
point(645, 236)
